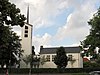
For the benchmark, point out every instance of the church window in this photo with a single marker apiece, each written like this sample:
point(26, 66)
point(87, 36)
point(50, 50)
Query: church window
point(26, 27)
point(70, 57)
point(26, 35)
point(48, 58)
point(26, 31)
point(53, 56)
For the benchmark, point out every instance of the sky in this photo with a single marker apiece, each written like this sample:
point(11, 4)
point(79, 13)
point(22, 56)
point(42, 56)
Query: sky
point(57, 22)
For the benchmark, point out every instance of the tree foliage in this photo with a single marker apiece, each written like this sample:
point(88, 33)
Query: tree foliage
point(61, 59)
point(27, 59)
point(42, 60)
point(9, 41)
point(33, 52)
point(10, 15)
point(93, 39)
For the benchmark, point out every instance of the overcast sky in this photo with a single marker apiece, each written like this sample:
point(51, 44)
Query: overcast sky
point(58, 22)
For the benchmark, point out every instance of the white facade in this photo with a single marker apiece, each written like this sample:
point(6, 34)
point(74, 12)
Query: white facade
point(26, 43)
point(76, 62)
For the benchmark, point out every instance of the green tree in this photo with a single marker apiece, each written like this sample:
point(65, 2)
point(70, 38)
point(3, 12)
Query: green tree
point(33, 52)
point(36, 61)
point(10, 15)
point(61, 59)
point(9, 41)
point(93, 39)
point(42, 60)
point(27, 59)
point(9, 44)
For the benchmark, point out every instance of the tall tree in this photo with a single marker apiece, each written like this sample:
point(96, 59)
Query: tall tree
point(61, 59)
point(9, 41)
point(93, 39)
point(9, 44)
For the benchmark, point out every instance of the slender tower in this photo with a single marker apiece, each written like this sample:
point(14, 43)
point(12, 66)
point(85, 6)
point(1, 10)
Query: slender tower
point(28, 15)
point(26, 42)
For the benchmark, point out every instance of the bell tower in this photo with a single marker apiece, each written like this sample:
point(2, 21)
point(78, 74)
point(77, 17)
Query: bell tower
point(26, 36)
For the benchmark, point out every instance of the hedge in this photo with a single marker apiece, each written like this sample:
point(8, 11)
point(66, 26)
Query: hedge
point(49, 70)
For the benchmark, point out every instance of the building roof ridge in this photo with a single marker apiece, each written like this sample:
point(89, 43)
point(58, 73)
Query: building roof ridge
point(61, 46)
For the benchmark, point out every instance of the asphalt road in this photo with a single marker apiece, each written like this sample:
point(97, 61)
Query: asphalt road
point(36, 74)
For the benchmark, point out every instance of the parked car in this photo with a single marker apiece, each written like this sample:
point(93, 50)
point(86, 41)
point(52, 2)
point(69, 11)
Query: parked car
point(94, 73)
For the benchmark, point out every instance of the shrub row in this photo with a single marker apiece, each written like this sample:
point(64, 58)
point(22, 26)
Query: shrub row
point(91, 65)
point(49, 70)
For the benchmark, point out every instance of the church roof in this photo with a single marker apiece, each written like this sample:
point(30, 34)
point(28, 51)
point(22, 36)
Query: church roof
point(29, 24)
point(53, 50)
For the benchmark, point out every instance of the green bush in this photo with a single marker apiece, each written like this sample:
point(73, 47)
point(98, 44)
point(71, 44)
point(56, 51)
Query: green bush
point(49, 70)
point(91, 65)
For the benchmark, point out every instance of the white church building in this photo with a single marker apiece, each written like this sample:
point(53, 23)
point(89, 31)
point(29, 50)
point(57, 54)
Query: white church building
point(26, 42)
point(73, 53)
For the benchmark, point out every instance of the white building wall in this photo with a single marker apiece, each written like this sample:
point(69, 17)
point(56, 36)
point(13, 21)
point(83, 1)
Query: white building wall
point(47, 64)
point(75, 61)
point(81, 61)
point(78, 63)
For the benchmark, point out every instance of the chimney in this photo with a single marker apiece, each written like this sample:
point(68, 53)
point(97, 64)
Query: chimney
point(41, 47)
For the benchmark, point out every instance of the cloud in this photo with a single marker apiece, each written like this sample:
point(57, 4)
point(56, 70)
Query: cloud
point(42, 10)
point(17, 29)
point(76, 26)
point(41, 41)
point(42, 22)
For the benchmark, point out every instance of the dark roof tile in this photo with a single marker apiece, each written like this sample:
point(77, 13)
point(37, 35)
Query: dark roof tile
point(53, 50)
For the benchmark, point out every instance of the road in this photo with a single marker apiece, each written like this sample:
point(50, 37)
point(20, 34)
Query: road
point(36, 74)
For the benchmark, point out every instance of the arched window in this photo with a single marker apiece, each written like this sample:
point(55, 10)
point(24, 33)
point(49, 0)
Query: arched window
point(26, 31)
point(26, 35)
point(26, 27)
